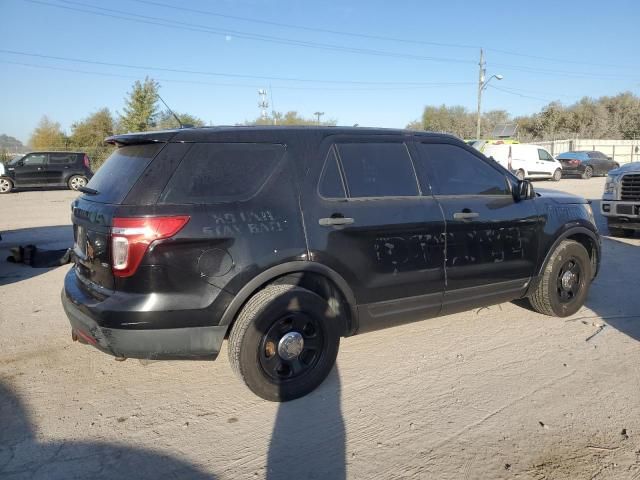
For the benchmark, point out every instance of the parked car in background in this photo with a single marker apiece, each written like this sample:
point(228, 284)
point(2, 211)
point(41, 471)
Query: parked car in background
point(525, 161)
point(47, 169)
point(285, 239)
point(621, 200)
point(586, 163)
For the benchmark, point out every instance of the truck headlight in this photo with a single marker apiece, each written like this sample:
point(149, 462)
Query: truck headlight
point(609, 186)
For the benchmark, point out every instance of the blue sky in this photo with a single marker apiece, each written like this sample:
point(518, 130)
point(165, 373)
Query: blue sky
point(545, 50)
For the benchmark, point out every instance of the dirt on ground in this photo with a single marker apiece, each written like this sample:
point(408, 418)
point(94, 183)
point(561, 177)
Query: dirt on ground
point(499, 392)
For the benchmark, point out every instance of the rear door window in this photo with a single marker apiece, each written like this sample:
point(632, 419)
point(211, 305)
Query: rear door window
point(452, 170)
point(222, 172)
point(62, 158)
point(378, 170)
point(114, 179)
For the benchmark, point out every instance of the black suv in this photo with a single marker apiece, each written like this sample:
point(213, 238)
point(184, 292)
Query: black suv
point(47, 169)
point(284, 239)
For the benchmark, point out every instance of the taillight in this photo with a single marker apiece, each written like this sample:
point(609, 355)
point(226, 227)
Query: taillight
point(131, 237)
point(86, 161)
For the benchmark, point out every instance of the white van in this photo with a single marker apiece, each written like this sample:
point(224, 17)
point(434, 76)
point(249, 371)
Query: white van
point(525, 161)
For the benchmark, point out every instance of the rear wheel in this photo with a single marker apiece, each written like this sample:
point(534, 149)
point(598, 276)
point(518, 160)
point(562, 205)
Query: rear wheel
point(557, 175)
point(284, 343)
point(6, 185)
point(76, 182)
point(565, 281)
point(588, 172)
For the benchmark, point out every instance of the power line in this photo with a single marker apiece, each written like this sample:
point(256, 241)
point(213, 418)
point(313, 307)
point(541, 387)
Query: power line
point(519, 94)
point(122, 15)
point(220, 84)
point(369, 36)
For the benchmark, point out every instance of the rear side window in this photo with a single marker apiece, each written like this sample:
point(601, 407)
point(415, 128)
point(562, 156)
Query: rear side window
point(222, 172)
point(378, 170)
point(62, 158)
point(121, 171)
point(454, 171)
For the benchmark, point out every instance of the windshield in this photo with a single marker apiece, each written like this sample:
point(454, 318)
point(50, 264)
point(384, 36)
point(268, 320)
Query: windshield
point(15, 160)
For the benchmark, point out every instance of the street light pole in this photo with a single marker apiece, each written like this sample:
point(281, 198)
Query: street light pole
point(480, 87)
point(482, 84)
point(318, 115)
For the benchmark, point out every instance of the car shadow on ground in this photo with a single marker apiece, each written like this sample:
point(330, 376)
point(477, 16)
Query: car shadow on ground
point(613, 295)
point(308, 438)
point(46, 238)
point(23, 456)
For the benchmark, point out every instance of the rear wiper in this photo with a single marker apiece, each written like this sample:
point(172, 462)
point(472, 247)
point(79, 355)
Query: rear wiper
point(89, 191)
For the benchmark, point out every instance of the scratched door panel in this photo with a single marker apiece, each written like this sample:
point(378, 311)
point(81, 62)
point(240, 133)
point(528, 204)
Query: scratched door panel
point(393, 249)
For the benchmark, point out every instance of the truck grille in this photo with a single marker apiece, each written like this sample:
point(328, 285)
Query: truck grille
point(630, 187)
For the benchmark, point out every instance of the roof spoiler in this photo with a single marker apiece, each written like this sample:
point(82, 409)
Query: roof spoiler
point(141, 138)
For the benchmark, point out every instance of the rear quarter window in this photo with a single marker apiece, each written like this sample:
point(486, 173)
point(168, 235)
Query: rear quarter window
point(222, 172)
point(121, 171)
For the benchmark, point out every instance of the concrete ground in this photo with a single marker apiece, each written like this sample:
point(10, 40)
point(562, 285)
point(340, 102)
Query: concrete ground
point(500, 392)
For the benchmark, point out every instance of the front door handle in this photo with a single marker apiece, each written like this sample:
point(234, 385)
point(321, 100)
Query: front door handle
point(465, 215)
point(335, 221)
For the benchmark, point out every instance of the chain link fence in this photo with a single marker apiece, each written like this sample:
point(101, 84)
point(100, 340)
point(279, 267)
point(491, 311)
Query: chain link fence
point(621, 151)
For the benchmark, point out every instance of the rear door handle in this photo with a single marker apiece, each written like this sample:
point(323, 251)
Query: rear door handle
point(465, 215)
point(335, 221)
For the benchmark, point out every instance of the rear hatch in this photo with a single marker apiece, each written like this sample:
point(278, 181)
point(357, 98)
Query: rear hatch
point(94, 211)
point(569, 163)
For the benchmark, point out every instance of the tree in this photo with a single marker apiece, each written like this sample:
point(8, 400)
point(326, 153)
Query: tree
point(289, 118)
point(92, 131)
point(48, 136)
point(88, 135)
point(167, 121)
point(141, 107)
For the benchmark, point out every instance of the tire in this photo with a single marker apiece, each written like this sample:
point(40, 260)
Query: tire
point(553, 296)
point(588, 172)
point(76, 182)
point(520, 174)
point(6, 185)
point(256, 354)
point(557, 175)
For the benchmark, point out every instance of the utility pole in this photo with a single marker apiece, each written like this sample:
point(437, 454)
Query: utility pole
point(263, 104)
point(318, 115)
point(273, 105)
point(480, 87)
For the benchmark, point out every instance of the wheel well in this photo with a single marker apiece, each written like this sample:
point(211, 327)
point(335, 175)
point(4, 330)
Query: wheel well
point(590, 246)
point(325, 288)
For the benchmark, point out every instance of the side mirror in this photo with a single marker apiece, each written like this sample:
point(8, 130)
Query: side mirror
point(523, 190)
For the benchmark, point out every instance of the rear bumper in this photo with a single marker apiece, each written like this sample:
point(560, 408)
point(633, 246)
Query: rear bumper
point(202, 343)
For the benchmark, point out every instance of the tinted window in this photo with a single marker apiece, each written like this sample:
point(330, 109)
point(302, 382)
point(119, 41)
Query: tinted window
point(121, 170)
point(454, 171)
point(222, 172)
point(598, 155)
point(544, 155)
point(331, 181)
point(378, 170)
point(62, 158)
point(35, 159)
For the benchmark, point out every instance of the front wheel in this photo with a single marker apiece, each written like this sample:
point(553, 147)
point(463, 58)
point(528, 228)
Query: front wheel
point(6, 185)
point(557, 175)
point(77, 182)
point(285, 342)
point(565, 281)
point(588, 172)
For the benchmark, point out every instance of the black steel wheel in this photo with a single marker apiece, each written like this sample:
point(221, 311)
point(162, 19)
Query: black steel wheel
point(564, 283)
point(284, 342)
